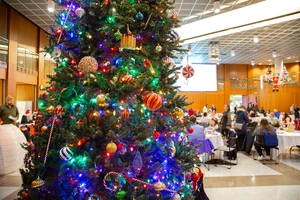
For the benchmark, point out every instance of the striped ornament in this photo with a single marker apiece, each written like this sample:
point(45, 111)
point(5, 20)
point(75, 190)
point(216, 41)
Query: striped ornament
point(127, 79)
point(167, 60)
point(153, 101)
point(187, 71)
point(125, 114)
point(65, 154)
point(59, 110)
point(174, 35)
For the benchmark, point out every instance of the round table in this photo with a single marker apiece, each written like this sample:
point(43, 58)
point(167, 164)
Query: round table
point(216, 139)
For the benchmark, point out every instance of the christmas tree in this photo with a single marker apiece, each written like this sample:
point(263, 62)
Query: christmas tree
point(110, 124)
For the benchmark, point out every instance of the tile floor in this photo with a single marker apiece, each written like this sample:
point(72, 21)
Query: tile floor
point(248, 180)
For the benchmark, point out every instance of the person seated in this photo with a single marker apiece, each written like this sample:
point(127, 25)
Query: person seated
point(198, 132)
point(213, 126)
point(274, 121)
point(205, 119)
point(26, 119)
point(277, 113)
point(262, 111)
point(263, 128)
point(286, 120)
point(251, 114)
point(212, 114)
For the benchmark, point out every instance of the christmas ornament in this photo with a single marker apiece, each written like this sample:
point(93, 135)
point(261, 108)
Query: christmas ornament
point(139, 16)
point(187, 71)
point(174, 35)
point(127, 79)
point(176, 197)
point(191, 112)
point(156, 134)
point(59, 110)
point(56, 52)
point(175, 15)
point(44, 128)
point(125, 114)
point(153, 101)
point(128, 41)
point(178, 112)
point(159, 186)
point(172, 148)
point(275, 82)
point(190, 130)
point(120, 194)
point(79, 12)
point(88, 64)
point(65, 154)
point(101, 100)
point(111, 147)
point(268, 76)
point(158, 48)
point(168, 61)
point(37, 183)
point(137, 163)
point(147, 63)
point(284, 76)
point(196, 175)
point(118, 35)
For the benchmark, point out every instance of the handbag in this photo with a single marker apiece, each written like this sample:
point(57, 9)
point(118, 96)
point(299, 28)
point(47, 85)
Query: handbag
point(270, 140)
point(238, 126)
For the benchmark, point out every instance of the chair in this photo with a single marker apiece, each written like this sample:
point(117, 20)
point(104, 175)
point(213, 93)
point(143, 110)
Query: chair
point(204, 124)
point(205, 147)
point(261, 138)
point(229, 149)
point(291, 149)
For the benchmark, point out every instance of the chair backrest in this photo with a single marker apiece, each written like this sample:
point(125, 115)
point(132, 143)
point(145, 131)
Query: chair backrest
point(231, 138)
point(204, 124)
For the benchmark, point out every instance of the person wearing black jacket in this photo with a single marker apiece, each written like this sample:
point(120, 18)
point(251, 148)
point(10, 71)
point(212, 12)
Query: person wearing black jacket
point(242, 118)
point(296, 112)
point(226, 120)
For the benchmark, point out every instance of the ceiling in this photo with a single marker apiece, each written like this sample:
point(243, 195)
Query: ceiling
point(284, 37)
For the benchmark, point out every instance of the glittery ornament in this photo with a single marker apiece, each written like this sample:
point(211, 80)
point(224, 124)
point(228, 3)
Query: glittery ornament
point(101, 100)
point(158, 48)
point(37, 183)
point(175, 15)
point(56, 52)
point(111, 147)
point(153, 101)
point(159, 186)
point(147, 63)
point(88, 64)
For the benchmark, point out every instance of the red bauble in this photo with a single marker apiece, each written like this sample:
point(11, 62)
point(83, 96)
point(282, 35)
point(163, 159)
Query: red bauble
point(156, 134)
point(120, 146)
point(59, 110)
point(190, 130)
point(153, 101)
point(52, 88)
point(147, 63)
point(188, 175)
point(191, 112)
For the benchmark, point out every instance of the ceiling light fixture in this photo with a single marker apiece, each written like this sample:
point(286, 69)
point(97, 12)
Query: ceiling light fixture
point(252, 62)
point(217, 6)
point(51, 6)
point(255, 39)
point(232, 52)
point(274, 54)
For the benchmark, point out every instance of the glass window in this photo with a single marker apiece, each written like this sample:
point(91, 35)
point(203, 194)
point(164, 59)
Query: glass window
point(3, 52)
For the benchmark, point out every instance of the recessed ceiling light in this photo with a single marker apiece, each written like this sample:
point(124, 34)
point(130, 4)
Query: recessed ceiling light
point(260, 63)
point(255, 39)
point(297, 60)
point(232, 52)
point(270, 60)
point(289, 57)
point(217, 6)
point(51, 6)
point(252, 62)
point(274, 54)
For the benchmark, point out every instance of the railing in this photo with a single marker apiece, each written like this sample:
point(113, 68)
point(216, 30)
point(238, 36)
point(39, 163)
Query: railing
point(220, 84)
point(27, 61)
point(3, 52)
point(238, 84)
point(48, 67)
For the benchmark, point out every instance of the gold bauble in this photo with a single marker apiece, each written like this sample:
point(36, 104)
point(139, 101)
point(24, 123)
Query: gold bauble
point(101, 98)
point(111, 147)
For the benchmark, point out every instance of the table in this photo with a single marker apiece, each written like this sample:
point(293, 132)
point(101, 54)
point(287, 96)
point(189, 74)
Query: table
point(216, 139)
point(287, 139)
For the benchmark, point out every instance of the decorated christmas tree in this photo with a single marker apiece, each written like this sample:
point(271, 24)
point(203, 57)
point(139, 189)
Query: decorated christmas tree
point(110, 124)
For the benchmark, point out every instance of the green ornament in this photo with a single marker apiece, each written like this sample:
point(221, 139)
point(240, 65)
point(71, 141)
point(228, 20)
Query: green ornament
point(121, 194)
point(118, 35)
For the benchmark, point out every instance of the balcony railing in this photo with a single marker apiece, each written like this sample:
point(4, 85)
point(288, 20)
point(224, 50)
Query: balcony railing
point(3, 52)
point(27, 61)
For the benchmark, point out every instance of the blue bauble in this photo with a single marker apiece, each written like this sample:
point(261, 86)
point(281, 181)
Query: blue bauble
point(174, 35)
point(139, 16)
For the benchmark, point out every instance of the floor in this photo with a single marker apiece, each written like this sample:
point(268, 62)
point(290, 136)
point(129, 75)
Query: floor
point(248, 180)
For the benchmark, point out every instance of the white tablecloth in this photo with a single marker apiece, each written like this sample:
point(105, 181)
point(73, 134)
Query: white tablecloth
point(287, 139)
point(216, 139)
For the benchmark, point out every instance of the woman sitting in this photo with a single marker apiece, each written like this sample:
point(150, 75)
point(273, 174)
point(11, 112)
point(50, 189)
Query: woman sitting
point(287, 120)
point(263, 128)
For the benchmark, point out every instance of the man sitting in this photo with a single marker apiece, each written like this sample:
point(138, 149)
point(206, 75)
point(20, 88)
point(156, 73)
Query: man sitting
point(205, 119)
point(198, 132)
point(274, 121)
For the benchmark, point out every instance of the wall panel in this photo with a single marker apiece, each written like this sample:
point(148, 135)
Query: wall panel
point(25, 92)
